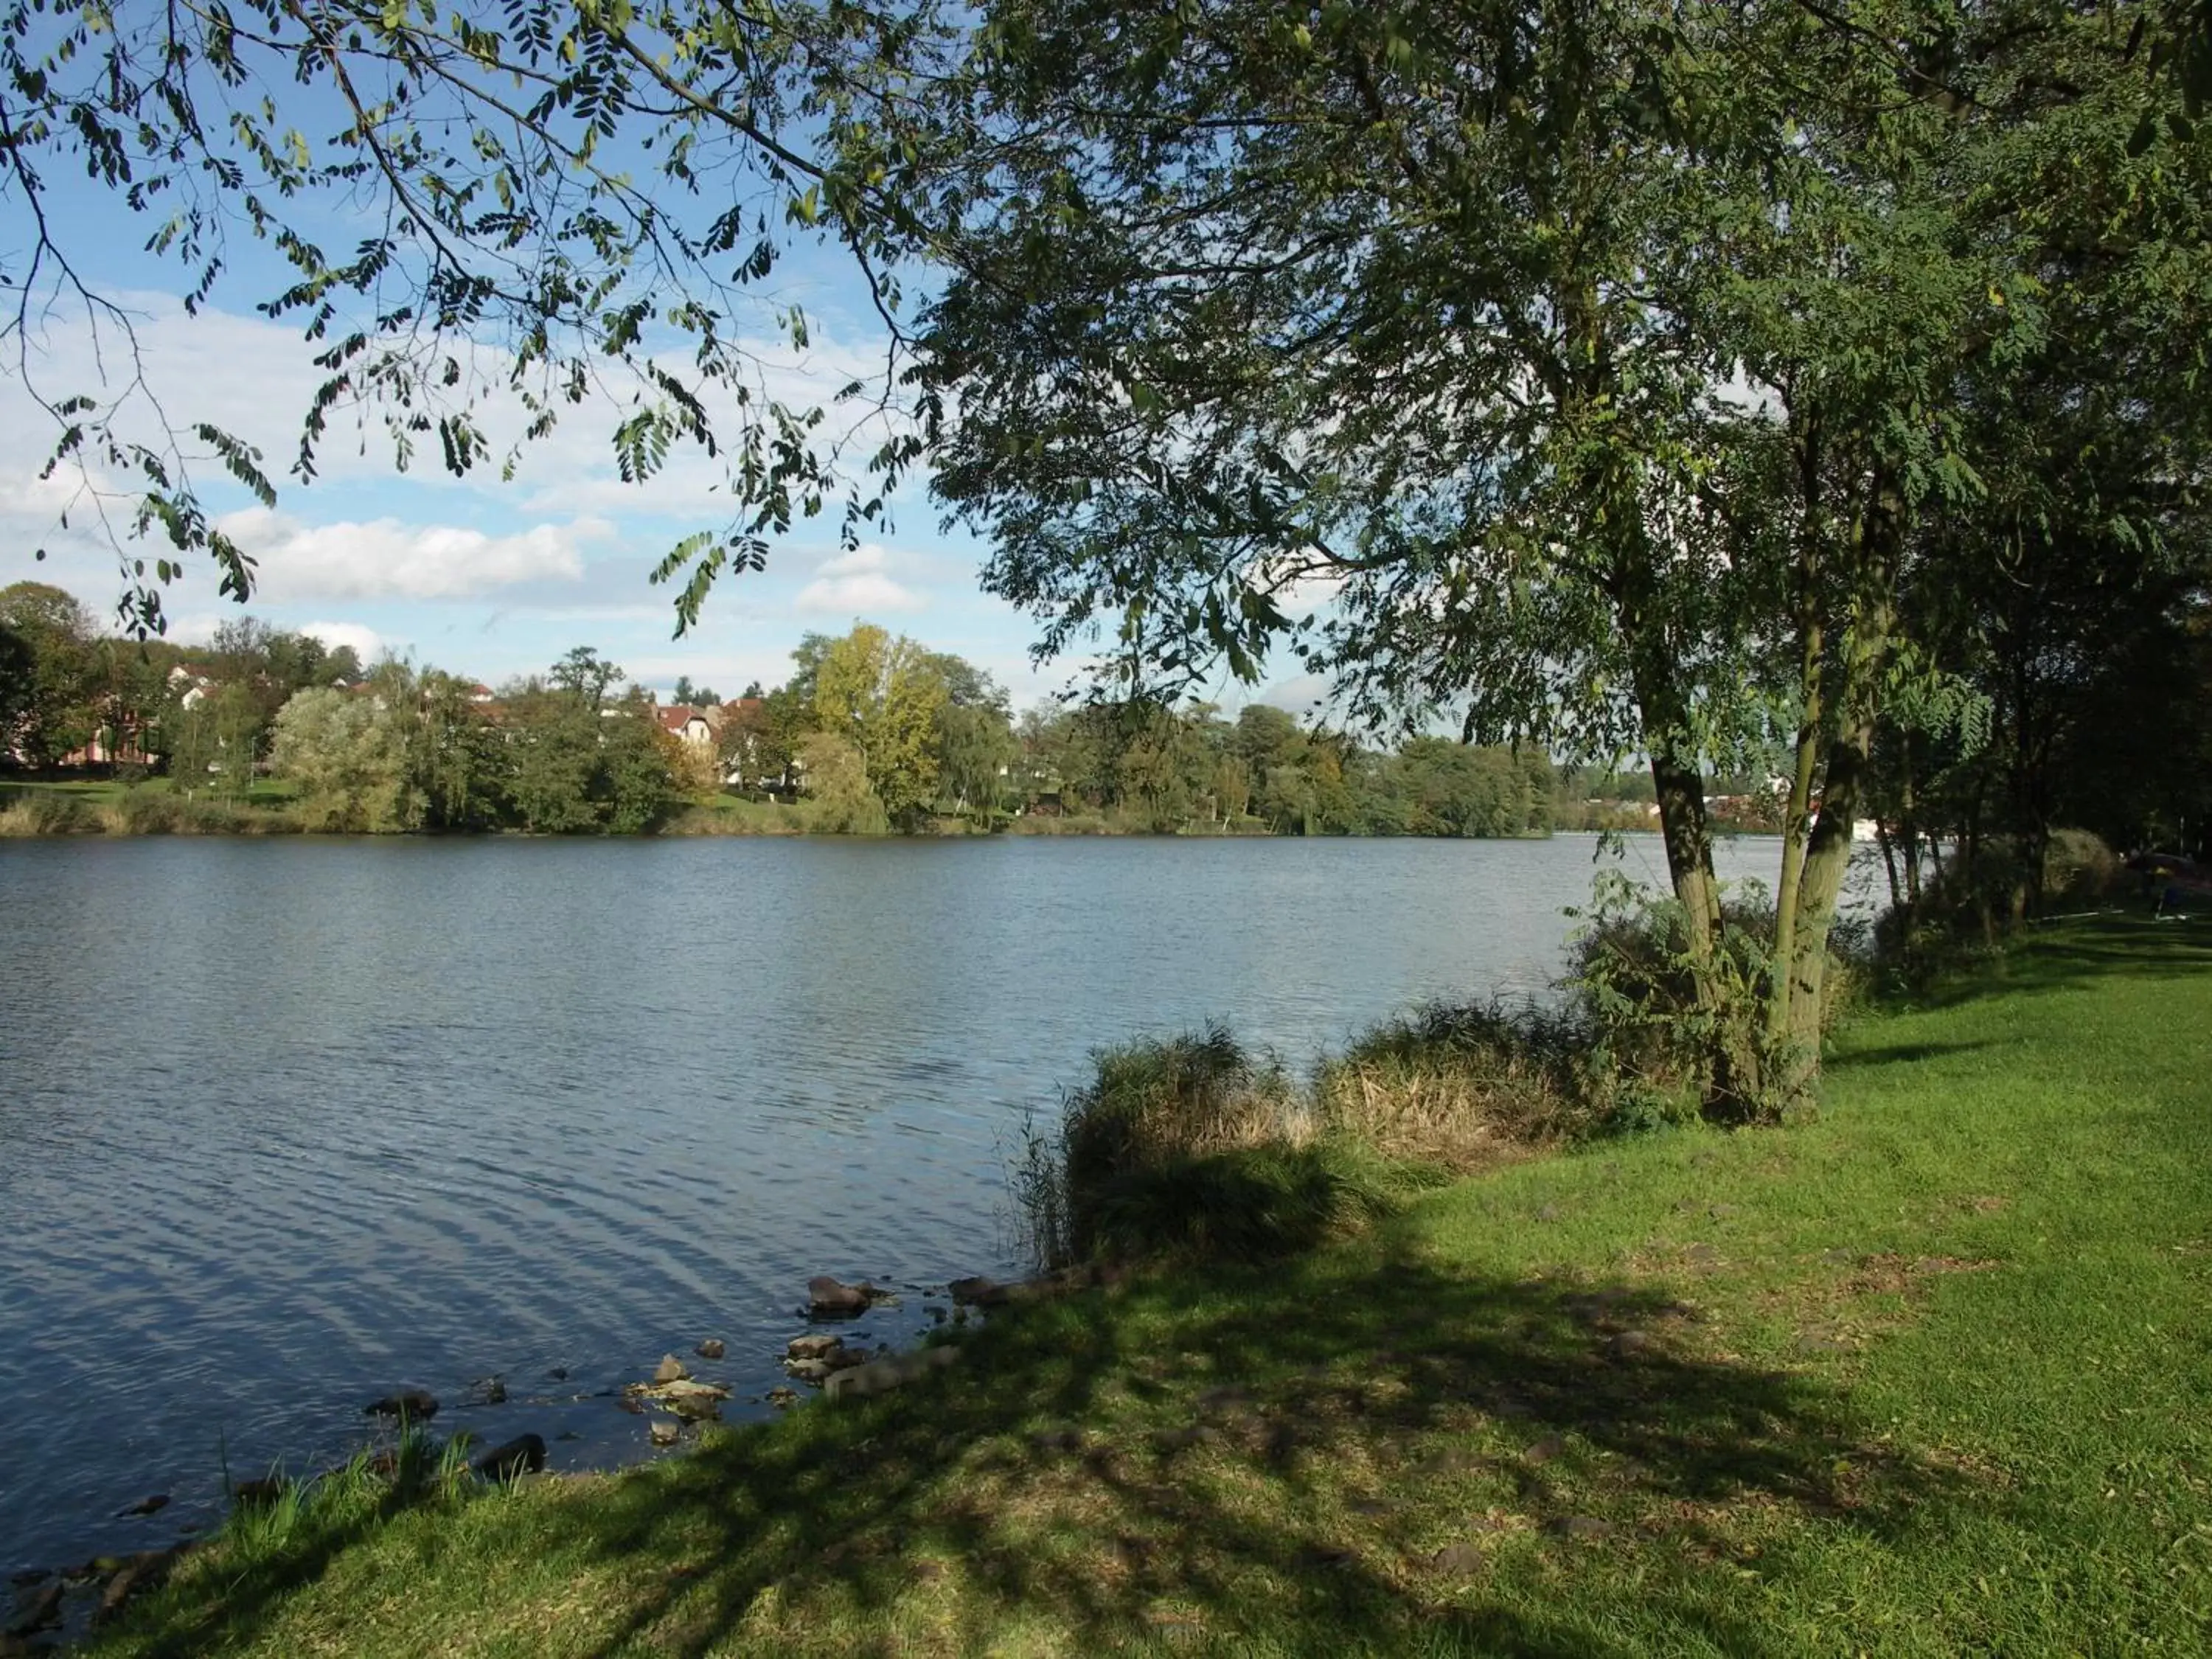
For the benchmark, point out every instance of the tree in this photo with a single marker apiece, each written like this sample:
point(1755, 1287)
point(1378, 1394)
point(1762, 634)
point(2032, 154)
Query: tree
point(56, 688)
point(839, 800)
point(976, 748)
point(1603, 360)
point(346, 752)
point(213, 744)
point(458, 760)
point(549, 199)
point(18, 690)
point(696, 695)
point(883, 695)
point(583, 676)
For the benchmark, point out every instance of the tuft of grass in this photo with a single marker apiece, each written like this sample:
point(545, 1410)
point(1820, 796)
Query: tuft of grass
point(44, 813)
point(734, 815)
point(1463, 1087)
point(1181, 1146)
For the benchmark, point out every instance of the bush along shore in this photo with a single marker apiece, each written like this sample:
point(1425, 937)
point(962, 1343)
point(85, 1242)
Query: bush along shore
point(1917, 1374)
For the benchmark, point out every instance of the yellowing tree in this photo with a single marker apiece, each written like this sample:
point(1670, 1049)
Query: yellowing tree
point(884, 695)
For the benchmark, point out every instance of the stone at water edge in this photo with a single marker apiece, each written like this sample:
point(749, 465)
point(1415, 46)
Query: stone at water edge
point(664, 1430)
point(968, 1291)
point(416, 1404)
point(813, 1347)
point(524, 1454)
point(710, 1349)
point(670, 1369)
point(140, 1572)
point(42, 1607)
point(825, 1295)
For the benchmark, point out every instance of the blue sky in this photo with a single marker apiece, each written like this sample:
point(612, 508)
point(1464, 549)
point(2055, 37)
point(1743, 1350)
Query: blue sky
point(476, 575)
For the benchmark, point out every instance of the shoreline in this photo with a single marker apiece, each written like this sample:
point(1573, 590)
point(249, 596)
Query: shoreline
point(1631, 1388)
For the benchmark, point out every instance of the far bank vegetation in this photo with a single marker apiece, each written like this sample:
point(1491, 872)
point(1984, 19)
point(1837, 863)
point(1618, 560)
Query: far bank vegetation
point(872, 734)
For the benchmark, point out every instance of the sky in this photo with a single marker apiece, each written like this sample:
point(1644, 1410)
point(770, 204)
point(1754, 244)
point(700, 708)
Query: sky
point(480, 576)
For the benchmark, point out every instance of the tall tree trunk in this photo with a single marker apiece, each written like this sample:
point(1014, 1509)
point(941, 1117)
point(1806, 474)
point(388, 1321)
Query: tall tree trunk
point(1866, 646)
point(1732, 1083)
point(1888, 842)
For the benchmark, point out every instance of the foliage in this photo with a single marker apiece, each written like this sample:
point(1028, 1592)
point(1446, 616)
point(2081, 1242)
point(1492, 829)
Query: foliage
point(347, 754)
point(48, 697)
point(839, 800)
point(533, 208)
point(884, 696)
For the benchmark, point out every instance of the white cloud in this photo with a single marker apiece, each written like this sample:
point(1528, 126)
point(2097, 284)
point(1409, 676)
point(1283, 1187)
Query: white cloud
point(384, 558)
point(368, 644)
point(856, 596)
point(857, 583)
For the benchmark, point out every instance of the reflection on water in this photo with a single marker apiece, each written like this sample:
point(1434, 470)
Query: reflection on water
point(284, 1124)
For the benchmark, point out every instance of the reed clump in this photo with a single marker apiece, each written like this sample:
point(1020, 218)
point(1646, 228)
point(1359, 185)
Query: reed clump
point(1193, 1145)
point(40, 813)
point(1464, 1087)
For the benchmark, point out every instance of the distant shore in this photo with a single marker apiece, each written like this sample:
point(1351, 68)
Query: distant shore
point(31, 808)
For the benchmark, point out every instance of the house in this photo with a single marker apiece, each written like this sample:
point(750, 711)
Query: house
point(191, 685)
point(701, 726)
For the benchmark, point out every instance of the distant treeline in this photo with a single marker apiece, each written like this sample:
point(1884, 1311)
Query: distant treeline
point(869, 733)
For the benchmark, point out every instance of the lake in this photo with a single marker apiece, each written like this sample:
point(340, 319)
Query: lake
point(286, 1124)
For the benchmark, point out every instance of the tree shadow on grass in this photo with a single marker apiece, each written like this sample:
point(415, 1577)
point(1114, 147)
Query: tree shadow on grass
point(2075, 953)
point(1902, 1054)
point(1333, 1456)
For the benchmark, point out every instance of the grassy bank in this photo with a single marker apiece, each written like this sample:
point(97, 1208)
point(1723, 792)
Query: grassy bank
point(1926, 1375)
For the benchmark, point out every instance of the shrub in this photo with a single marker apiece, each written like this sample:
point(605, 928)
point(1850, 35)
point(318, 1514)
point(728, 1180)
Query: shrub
point(41, 813)
point(1463, 1087)
point(1192, 1146)
point(1254, 1203)
point(1968, 908)
point(1630, 970)
point(2078, 867)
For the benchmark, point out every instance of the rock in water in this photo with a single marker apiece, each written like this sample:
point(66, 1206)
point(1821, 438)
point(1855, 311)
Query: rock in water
point(710, 1349)
point(967, 1292)
point(524, 1454)
point(42, 1607)
point(814, 1347)
point(825, 1295)
point(417, 1405)
point(670, 1369)
point(160, 1500)
point(664, 1430)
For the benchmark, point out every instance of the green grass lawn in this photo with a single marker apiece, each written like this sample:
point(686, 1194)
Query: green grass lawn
point(1927, 1375)
point(110, 791)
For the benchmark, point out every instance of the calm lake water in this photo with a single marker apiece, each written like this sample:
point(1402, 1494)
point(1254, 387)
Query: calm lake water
point(287, 1124)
